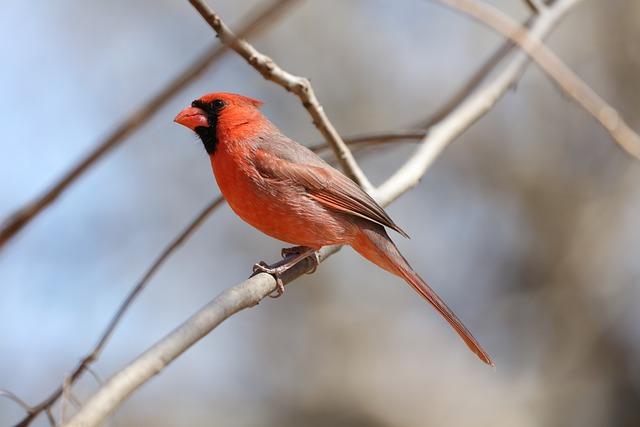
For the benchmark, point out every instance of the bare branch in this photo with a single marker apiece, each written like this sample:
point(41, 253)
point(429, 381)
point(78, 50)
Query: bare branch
point(568, 81)
point(124, 306)
point(50, 418)
point(11, 396)
point(474, 82)
point(251, 291)
point(472, 109)
point(139, 117)
point(536, 6)
point(296, 84)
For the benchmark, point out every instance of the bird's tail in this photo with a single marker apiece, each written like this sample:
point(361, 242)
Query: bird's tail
point(375, 245)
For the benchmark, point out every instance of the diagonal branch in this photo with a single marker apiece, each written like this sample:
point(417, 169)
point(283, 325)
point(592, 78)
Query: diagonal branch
point(252, 291)
point(84, 364)
point(14, 223)
point(300, 86)
point(568, 81)
point(472, 109)
point(536, 6)
point(474, 82)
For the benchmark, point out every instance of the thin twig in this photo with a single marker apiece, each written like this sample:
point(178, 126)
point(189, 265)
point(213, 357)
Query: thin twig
point(12, 396)
point(133, 294)
point(93, 372)
point(553, 66)
point(251, 291)
point(52, 420)
point(140, 116)
point(536, 6)
point(296, 84)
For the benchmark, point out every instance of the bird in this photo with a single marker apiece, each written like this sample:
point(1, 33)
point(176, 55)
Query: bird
point(288, 192)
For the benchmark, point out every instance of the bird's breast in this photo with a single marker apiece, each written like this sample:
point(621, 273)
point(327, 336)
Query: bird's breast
point(279, 209)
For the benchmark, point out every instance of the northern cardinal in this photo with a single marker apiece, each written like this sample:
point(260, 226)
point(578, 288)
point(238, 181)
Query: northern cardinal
point(288, 192)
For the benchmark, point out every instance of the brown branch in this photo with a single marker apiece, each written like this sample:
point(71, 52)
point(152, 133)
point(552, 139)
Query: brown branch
point(11, 396)
point(553, 66)
point(251, 291)
point(536, 6)
point(300, 86)
point(15, 222)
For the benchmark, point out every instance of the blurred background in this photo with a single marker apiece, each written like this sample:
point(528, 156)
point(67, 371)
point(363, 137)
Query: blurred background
point(527, 225)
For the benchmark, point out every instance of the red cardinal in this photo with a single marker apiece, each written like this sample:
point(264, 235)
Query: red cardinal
point(288, 192)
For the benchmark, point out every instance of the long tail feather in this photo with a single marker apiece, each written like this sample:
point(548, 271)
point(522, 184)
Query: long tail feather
point(375, 245)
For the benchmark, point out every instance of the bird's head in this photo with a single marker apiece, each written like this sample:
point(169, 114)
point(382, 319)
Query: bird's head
point(217, 116)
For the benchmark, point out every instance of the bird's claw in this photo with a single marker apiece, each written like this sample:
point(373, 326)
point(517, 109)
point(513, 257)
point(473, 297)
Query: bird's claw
point(316, 262)
point(295, 250)
point(291, 257)
point(263, 267)
point(299, 250)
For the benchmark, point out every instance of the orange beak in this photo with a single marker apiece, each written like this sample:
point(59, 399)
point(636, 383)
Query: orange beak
point(192, 118)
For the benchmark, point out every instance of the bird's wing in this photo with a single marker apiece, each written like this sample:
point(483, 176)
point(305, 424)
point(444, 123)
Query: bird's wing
point(286, 160)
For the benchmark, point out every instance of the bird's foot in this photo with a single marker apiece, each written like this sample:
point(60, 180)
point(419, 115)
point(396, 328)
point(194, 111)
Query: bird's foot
point(294, 250)
point(291, 256)
point(276, 272)
point(299, 253)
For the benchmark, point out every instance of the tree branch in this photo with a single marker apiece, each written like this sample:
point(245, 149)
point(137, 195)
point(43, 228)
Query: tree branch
point(300, 86)
point(252, 291)
point(568, 81)
point(474, 82)
point(536, 6)
point(84, 364)
point(472, 109)
point(16, 221)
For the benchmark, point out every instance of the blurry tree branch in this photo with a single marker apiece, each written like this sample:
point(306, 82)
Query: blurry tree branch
point(474, 107)
point(300, 86)
point(566, 79)
point(14, 223)
point(474, 82)
point(253, 290)
point(11, 396)
point(536, 6)
point(84, 364)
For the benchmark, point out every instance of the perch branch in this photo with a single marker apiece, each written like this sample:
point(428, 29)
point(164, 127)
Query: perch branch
point(300, 86)
point(251, 291)
point(16, 221)
point(553, 66)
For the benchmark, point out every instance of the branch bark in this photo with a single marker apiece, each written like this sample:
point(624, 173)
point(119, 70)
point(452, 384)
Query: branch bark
point(300, 86)
point(553, 66)
point(253, 290)
point(20, 218)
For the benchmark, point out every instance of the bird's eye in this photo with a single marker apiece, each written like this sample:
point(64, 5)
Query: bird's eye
point(217, 104)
